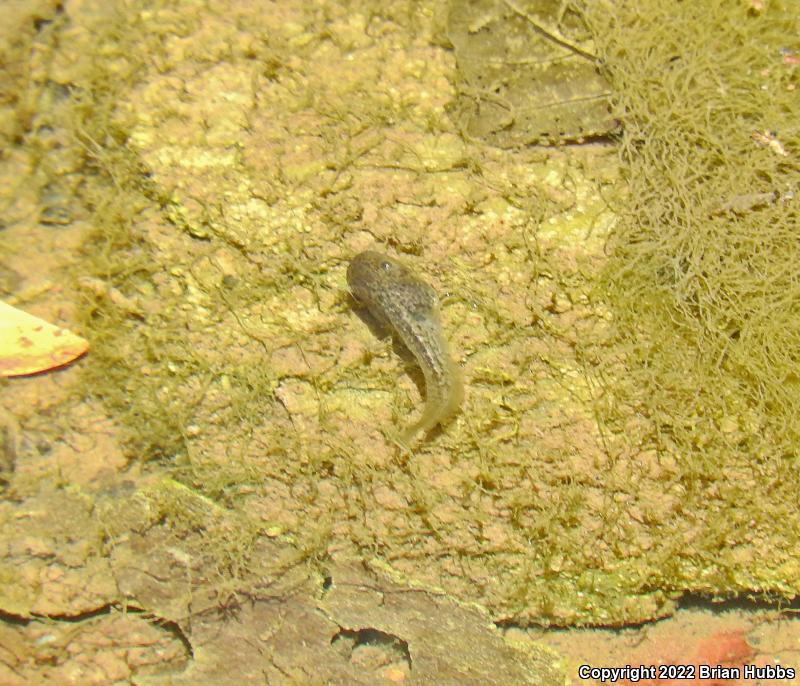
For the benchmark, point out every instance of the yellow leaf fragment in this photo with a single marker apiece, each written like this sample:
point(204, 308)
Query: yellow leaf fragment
point(29, 345)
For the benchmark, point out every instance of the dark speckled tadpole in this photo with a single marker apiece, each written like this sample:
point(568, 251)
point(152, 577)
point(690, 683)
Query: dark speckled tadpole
point(399, 300)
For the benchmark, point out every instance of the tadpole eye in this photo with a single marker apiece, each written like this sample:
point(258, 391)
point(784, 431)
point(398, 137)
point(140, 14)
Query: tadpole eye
point(386, 266)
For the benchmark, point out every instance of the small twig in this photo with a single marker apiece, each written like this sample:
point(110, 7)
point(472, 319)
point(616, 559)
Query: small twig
point(551, 35)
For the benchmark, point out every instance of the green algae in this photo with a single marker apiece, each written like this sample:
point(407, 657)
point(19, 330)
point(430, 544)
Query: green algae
point(700, 279)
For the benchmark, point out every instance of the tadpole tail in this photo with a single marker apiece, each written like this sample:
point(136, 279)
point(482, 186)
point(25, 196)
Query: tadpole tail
point(442, 400)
